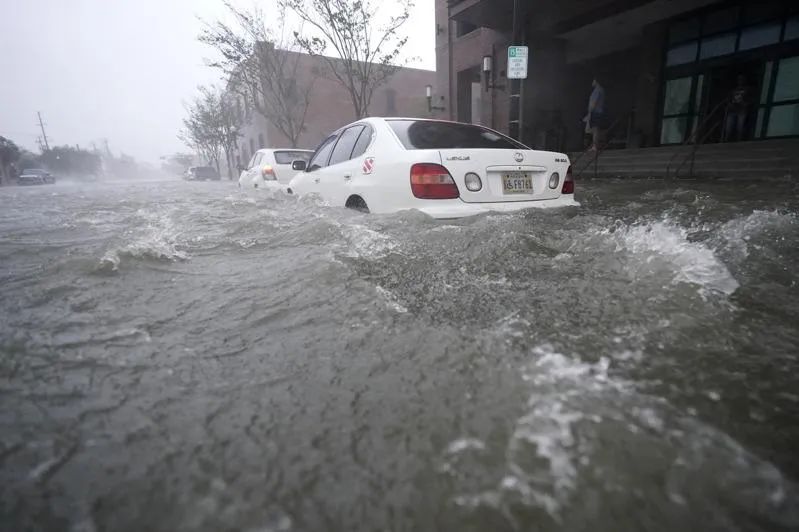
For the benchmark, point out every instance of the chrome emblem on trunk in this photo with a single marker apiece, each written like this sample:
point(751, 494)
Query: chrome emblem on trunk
point(519, 156)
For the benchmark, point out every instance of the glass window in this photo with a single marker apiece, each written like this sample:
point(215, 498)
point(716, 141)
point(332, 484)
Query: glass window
point(723, 20)
point(762, 35)
point(761, 113)
point(346, 142)
point(319, 160)
point(678, 96)
point(718, 45)
point(391, 102)
point(684, 53)
point(464, 28)
point(766, 82)
point(288, 157)
point(792, 29)
point(787, 85)
point(684, 30)
point(433, 135)
point(783, 120)
point(673, 131)
point(363, 142)
point(698, 94)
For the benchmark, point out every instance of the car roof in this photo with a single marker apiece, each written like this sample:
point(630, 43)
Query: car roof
point(273, 150)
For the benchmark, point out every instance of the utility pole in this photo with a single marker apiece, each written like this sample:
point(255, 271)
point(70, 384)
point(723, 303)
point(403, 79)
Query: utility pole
point(44, 135)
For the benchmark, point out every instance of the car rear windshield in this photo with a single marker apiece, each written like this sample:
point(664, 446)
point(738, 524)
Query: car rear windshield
point(432, 135)
point(205, 171)
point(288, 157)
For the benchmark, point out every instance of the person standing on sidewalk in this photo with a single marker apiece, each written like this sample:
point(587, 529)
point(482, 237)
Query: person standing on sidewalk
point(596, 112)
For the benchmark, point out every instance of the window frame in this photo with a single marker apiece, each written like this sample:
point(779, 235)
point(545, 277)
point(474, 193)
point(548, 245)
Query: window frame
point(330, 139)
point(338, 140)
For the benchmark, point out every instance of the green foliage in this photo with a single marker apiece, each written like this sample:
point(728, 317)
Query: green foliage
point(256, 57)
point(69, 160)
point(367, 53)
point(212, 125)
point(9, 152)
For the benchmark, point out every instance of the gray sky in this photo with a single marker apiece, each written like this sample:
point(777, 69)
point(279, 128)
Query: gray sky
point(118, 69)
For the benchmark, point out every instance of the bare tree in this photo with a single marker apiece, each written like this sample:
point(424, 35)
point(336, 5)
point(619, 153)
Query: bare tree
point(263, 68)
point(212, 126)
point(367, 52)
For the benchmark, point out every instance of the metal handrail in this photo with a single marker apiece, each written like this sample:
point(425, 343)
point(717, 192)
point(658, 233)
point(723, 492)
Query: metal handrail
point(692, 138)
point(692, 155)
point(601, 148)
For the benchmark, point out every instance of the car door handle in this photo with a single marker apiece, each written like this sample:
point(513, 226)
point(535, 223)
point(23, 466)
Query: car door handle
point(315, 179)
point(347, 176)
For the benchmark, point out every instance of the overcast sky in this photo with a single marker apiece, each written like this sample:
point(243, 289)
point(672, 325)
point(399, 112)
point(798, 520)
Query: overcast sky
point(119, 69)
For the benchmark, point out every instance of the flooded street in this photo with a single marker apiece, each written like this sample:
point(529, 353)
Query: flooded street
point(177, 356)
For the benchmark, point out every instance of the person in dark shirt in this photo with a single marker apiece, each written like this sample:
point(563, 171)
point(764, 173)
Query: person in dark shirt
point(596, 112)
point(737, 111)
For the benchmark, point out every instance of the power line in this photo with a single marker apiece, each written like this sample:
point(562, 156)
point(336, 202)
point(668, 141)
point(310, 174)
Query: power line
point(44, 135)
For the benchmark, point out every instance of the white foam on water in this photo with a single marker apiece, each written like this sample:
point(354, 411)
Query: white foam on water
point(158, 239)
point(736, 234)
point(665, 244)
point(367, 243)
point(559, 443)
point(391, 300)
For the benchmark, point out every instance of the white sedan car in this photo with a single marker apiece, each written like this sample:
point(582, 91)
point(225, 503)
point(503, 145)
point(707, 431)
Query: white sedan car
point(271, 166)
point(444, 169)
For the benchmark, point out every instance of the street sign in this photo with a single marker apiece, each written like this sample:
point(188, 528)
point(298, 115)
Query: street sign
point(517, 62)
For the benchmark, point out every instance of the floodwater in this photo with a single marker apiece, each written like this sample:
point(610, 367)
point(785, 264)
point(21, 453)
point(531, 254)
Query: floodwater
point(175, 356)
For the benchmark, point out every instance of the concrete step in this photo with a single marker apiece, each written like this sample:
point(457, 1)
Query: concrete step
point(756, 158)
point(771, 172)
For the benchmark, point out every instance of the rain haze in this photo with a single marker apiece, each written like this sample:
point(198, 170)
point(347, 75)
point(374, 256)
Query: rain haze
point(120, 70)
point(307, 292)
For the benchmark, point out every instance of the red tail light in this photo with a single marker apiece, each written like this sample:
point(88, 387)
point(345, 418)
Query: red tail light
point(568, 184)
point(268, 173)
point(432, 181)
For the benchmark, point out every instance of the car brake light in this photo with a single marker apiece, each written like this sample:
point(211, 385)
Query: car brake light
point(432, 181)
point(568, 184)
point(268, 172)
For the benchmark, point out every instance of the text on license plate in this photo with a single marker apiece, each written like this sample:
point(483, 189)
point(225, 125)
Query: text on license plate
point(517, 183)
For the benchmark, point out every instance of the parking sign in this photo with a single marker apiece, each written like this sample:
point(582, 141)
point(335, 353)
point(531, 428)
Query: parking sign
point(517, 62)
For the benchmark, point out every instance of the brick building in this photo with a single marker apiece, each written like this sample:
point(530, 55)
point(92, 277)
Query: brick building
point(330, 106)
point(666, 66)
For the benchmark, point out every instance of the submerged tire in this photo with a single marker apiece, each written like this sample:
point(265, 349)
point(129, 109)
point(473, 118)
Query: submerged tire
point(356, 203)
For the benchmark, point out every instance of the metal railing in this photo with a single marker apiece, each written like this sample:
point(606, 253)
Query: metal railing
point(691, 140)
point(625, 118)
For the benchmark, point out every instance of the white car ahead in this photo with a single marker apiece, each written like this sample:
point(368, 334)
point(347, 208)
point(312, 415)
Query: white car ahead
point(271, 165)
point(444, 169)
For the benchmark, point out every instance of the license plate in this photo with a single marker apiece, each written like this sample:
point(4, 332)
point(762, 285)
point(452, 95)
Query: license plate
point(517, 183)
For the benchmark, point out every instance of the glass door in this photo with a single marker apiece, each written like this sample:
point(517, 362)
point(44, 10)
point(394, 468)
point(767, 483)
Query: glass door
point(682, 102)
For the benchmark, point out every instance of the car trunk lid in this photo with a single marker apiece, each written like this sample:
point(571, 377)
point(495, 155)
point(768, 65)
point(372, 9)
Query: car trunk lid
point(507, 175)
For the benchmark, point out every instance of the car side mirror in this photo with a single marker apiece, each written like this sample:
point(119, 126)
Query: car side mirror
point(299, 166)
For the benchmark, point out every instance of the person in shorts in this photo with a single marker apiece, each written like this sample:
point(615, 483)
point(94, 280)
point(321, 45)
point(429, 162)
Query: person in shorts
point(596, 112)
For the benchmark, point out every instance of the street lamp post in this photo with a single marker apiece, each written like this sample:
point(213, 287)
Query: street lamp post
point(488, 70)
point(430, 106)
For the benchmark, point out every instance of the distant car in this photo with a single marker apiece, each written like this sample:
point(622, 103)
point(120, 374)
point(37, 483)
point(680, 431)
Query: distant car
point(202, 173)
point(273, 166)
point(35, 176)
point(444, 169)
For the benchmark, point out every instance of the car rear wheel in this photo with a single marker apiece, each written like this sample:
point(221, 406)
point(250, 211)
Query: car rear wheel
point(356, 203)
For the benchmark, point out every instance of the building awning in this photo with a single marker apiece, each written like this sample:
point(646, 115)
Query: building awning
point(494, 14)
